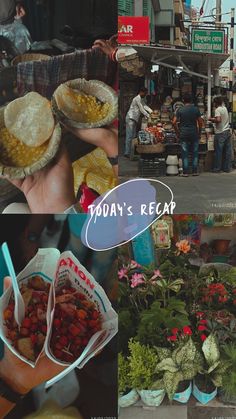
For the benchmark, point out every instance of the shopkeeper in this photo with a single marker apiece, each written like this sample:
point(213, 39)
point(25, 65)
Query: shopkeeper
point(11, 26)
point(188, 124)
point(222, 140)
point(137, 108)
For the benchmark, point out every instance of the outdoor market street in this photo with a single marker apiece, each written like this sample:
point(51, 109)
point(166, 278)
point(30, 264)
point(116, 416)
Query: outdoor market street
point(208, 192)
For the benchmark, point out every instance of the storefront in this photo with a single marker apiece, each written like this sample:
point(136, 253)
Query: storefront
point(169, 73)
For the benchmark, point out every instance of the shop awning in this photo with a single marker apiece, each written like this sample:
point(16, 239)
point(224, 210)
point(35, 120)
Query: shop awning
point(195, 63)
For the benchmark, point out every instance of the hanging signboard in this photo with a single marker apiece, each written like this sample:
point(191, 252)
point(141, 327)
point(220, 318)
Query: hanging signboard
point(208, 41)
point(133, 30)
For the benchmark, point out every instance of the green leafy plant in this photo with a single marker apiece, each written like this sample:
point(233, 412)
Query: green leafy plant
point(229, 376)
point(214, 366)
point(142, 361)
point(177, 365)
point(155, 321)
point(123, 374)
point(127, 329)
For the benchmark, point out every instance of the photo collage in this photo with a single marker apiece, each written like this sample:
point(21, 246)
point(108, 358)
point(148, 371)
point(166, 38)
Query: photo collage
point(117, 209)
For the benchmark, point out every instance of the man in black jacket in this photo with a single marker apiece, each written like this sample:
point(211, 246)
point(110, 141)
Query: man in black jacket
point(9, 9)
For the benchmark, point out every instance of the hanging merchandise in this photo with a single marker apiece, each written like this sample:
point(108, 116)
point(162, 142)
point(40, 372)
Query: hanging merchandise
point(161, 234)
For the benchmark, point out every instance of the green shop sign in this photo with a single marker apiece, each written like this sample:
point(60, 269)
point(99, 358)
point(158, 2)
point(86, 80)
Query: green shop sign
point(208, 41)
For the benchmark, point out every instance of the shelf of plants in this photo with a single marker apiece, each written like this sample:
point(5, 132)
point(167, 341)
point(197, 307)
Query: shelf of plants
point(177, 329)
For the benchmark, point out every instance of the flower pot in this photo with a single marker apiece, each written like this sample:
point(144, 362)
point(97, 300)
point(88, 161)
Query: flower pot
point(184, 396)
point(126, 400)
point(152, 397)
point(202, 397)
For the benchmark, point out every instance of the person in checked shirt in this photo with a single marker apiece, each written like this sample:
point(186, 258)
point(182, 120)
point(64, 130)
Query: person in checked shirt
point(137, 108)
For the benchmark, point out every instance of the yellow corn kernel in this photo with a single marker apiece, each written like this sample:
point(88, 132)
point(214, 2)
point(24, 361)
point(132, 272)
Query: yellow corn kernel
point(14, 153)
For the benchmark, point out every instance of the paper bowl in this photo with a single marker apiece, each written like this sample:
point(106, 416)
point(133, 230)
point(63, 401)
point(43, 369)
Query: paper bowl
point(14, 172)
point(96, 88)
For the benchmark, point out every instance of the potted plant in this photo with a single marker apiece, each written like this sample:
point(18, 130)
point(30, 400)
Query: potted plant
point(179, 367)
point(211, 371)
point(228, 390)
point(143, 361)
point(127, 395)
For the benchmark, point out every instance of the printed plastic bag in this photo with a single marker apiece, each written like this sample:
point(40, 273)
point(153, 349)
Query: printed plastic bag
point(18, 34)
point(64, 272)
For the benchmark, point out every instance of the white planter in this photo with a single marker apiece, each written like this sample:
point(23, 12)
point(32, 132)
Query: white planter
point(152, 397)
point(172, 170)
point(128, 399)
point(172, 160)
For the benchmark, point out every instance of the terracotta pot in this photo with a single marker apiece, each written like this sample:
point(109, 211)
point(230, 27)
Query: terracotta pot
point(221, 246)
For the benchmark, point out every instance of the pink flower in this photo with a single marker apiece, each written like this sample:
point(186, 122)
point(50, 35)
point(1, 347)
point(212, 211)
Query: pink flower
point(156, 274)
point(134, 264)
point(136, 280)
point(122, 273)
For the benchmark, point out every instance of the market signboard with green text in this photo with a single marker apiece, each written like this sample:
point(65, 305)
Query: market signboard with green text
point(208, 41)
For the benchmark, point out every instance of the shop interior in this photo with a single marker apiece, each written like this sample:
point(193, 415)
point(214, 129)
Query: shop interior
point(179, 280)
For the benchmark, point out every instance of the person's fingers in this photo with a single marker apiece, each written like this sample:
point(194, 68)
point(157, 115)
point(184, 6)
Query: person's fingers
point(7, 282)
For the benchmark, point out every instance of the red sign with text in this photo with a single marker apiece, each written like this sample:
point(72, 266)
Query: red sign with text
point(133, 30)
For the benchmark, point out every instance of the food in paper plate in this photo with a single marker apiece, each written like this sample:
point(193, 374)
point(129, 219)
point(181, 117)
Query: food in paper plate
point(30, 119)
point(79, 106)
point(30, 337)
point(15, 153)
point(76, 320)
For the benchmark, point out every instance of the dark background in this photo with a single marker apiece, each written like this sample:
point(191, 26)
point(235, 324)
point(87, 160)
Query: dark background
point(91, 19)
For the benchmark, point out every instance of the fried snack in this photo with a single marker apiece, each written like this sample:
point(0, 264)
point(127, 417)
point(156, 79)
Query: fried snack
point(29, 338)
point(16, 154)
point(30, 119)
point(76, 320)
point(79, 106)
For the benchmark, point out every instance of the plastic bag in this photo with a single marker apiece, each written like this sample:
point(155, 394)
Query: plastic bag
point(18, 34)
point(51, 266)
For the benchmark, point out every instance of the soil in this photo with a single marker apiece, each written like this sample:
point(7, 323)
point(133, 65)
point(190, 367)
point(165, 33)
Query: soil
point(204, 384)
point(183, 385)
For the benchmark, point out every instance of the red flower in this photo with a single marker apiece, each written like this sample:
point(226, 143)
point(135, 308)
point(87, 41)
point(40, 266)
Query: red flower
point(222, 299)
point(175, 330)
point(234, 291)
point(203, 321)
point(234, 301)
point(172, 338)
point(201, 328)
point(187, 330)
point(203, 337)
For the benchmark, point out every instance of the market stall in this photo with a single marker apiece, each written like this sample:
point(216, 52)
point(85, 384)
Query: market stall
point(177, 336)
point(176, 72)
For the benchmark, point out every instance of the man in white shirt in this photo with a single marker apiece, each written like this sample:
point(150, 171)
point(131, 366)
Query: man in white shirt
point(137, 108)
point(222, 140)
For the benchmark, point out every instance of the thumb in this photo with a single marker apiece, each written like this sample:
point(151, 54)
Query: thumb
point(7, 282)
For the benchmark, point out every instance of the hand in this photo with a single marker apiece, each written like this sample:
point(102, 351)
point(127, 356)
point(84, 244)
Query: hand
point(106, 138)
point(106, 46)
point(22, 377)
point(51, 189)
point(20, 11)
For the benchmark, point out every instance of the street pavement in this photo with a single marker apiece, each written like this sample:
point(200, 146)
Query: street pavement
point(193, 410)
point(208, 192)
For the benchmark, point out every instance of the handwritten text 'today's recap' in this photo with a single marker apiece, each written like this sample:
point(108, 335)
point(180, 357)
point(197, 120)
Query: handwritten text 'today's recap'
point(121, 210)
